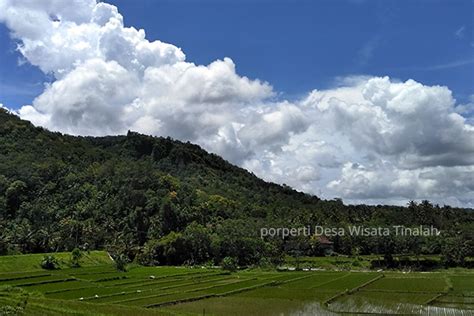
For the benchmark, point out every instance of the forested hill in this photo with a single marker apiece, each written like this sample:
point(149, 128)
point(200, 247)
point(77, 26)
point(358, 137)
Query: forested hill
point(158, 200)
point(26, 150)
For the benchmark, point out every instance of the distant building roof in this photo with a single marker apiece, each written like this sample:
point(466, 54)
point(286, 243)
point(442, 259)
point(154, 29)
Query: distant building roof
point(323, 240)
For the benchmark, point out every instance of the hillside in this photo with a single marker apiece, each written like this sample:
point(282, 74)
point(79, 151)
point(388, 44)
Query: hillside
point(162, 201)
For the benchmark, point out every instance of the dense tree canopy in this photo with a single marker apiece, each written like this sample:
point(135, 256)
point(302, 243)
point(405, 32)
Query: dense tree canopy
point(161, 201)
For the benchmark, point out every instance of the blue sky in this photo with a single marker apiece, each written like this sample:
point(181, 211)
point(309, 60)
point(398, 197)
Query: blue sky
point(296, 46)
point(369, 101)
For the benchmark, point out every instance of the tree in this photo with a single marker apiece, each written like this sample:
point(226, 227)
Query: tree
point(453, 252)
point(3, 245)
point(76, 256)
point(229, 264)
point(173, 203)
point(3, 184)
point(169, 215)
point(315, 246)
point(197, 241)
point(148, 255)
point(120, 262)
point(386, 245)
point(14, 196)
point(171, 250)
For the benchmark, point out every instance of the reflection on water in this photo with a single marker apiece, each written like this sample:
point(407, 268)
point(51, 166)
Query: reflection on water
point(311, 310)
point(354, 307)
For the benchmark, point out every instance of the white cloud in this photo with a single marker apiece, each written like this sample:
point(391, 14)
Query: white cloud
point(438, 184)
point(467, 110)
point(88, 100)
point(369, 139)
point(366, 52)
point(413, 124)
point(460, 32)
point(400, 141)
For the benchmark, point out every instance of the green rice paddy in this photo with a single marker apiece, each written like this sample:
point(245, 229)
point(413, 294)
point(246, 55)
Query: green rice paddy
point(96, 288)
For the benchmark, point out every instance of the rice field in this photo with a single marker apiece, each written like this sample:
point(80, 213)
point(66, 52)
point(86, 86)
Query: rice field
point(97, 288)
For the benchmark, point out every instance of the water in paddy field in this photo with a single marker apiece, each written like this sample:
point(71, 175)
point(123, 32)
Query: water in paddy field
point(446, 311)
point(351, 307)
point(311, 310)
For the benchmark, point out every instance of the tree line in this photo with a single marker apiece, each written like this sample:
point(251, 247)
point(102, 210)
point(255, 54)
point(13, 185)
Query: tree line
point(160, 201)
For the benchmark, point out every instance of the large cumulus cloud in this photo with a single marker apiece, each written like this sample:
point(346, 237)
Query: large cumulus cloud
point(401, 140)
point(365, 140)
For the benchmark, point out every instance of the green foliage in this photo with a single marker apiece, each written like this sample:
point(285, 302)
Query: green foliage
point(14, 196)
point(161, 201)
point(170, 249)
point(76, 256)
point(197, 240)
point(229, 264)
point(106, 291)
point(120, 262)
point(454, 251)
point(49, 262)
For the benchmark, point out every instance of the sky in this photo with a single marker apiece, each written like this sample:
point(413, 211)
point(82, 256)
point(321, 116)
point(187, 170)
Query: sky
point(368, 101)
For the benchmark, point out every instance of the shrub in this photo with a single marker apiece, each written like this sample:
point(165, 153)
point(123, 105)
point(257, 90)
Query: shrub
point(265, 263)
point(121, 261)
point(11, 310)
point(229, 264)
point(49, 262)
point(148, 254)
point(76, 256)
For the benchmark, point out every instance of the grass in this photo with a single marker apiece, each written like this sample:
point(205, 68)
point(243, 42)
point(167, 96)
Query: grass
point(242, 305)
point(408, 285)
point(463, 284)
point(315, 280)
point(31, 262)
point(97, 288)
point(346, 282)
point(41, 306)
point(381, 302)
point(366, 262)
point(54, 287)
point(342, 263)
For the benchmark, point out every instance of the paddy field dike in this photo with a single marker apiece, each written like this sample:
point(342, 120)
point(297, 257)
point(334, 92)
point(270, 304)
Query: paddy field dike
point(97, 288)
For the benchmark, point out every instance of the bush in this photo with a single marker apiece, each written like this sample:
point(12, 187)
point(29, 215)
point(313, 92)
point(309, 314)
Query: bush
point(147, 255)
point(49, 262)
point(265, 263)
point(11, 310)
point(229, 264)
point(76, 256)
point(121, 261)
